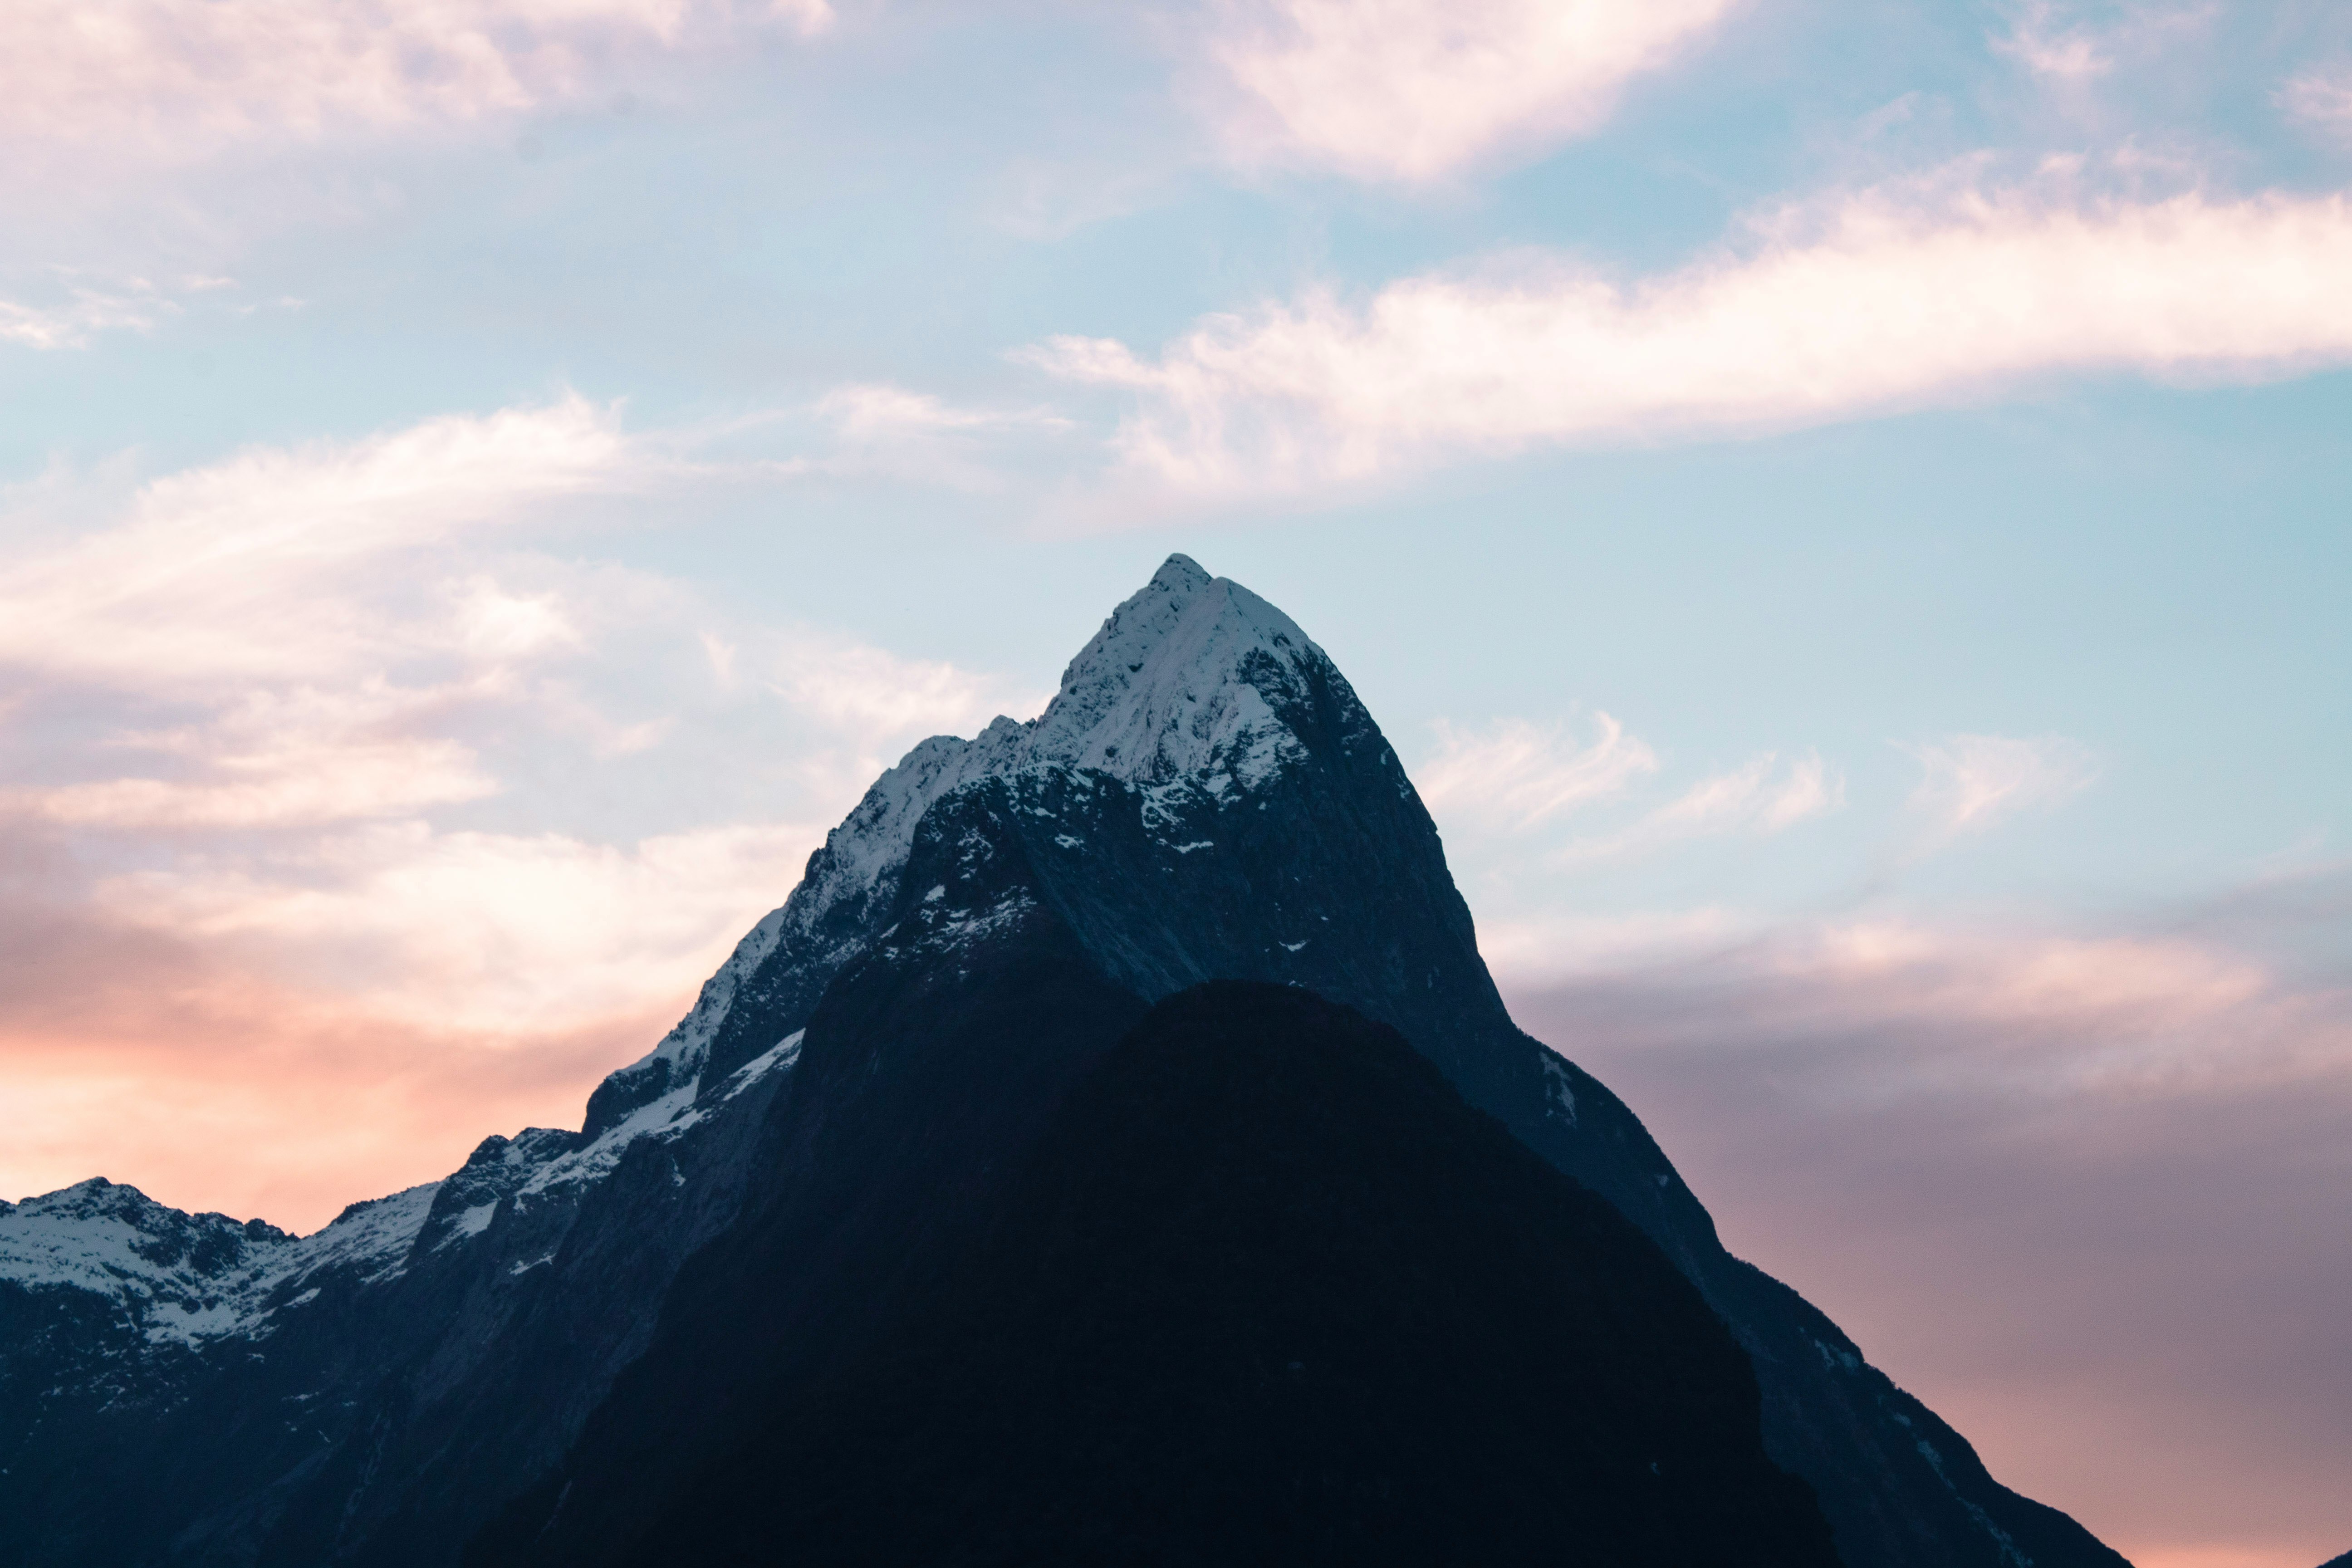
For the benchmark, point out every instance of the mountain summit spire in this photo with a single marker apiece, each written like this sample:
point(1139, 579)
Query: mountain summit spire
point(1188, 680)
point(1184, 674)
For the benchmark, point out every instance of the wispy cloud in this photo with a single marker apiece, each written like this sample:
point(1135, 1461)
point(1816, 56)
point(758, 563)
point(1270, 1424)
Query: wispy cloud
point(2321, 99)
point(179, 78)
point(2045, 43)
point(274, 715)
point(328, 605)
point(267, 563)
point(870, 690)
point(288, 786)
point(71, 323)
point(1412, 91)
point(1760, 798)
point(2034, 1012)
point(1892, 298)
point(1967, 783)
point(1514, 775)
point(869, 410)
point(880, 430)
point(507, 934)
point(2053, 40)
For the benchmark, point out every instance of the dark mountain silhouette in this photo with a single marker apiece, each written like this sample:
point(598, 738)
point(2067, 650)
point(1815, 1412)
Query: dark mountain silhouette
point(578, 1333)
point(1263, 1288)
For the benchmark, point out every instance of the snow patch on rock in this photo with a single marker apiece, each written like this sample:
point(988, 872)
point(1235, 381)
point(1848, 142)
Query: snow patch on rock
point(186, 1280)
point(664, 1118)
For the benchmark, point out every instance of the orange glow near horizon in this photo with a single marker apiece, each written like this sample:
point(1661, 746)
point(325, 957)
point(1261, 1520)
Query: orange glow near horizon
point(254, 1104)
point(285, 1117)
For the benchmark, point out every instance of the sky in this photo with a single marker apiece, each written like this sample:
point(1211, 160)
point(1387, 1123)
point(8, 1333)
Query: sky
point(1839, 506)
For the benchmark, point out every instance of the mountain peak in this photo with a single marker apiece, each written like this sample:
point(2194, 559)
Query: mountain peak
point(1179, 572)
point(1189, 680)
point(1172, 683)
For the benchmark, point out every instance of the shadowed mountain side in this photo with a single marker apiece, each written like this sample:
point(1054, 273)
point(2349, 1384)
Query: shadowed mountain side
point(1264, 1289)
point(784, 1183)
point(1326, 871)
point(928, 1067)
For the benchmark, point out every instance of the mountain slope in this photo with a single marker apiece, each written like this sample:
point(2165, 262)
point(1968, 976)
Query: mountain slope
point(1263, 1288)
point(310, 1395)
point(1205, 798)
point(1321, 868)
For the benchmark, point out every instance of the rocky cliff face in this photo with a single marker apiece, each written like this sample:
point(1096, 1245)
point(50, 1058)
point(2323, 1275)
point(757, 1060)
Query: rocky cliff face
point(1205, 799)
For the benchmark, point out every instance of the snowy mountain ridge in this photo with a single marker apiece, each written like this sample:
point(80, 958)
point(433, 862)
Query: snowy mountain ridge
point(180, 1278)
point(1172, 693)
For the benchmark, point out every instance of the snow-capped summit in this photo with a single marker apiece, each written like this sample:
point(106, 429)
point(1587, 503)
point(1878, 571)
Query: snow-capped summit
point(1181, 680)
point(1178, 682)
point(1185, 681)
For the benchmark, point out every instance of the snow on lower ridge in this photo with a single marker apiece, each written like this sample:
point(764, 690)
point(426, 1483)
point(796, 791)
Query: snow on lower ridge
point(114, 1240)
point(666, 1117)
point(188, 1278)
point(1171, 695)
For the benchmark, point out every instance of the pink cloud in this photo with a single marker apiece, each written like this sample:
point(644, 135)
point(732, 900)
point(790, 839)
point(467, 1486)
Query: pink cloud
point(1969, 782)
point(2321, 99)
point(1892, 299)
point(476, 931)
point(1515, 774)
point(240, 1096)
point(71, 322)
point(269, 563)
point(226, 1041)
point(271, 759)
point(135, 1052)
point(1757, 799)
point(2081, 1192)
point(2029, 1012)
point(1411, 91)
point(176, 79)
point(269, 939)
point(2040, 39)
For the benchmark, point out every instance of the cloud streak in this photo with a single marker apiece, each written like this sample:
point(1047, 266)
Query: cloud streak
point(1967, 783)
point(176, 79)
point(2039, 40)
point(262, 565)
point(1749, 800)
point(87, 311)
point(1890, 300)
point(499, 933)
point(1516, 775)
point(2321, 99)
point(1410, 92)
